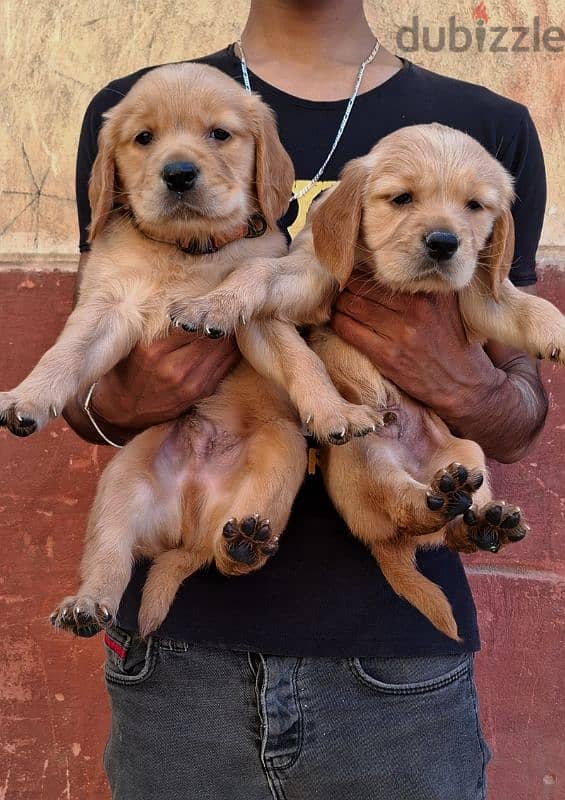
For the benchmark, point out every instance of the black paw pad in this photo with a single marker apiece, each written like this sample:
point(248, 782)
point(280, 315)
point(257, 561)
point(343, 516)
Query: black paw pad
point(446, 483)
point(458, 503)
point(213, 333)
point(24, 426)
point(434, 502)
point(338, 437)
point(455, 486)
point(494, 515)
point(487, 539)
point(475, 481)
point(512, 520)
point(493, 526)
point(250, 539)
point(242, 552)
point(364, 431)
point(230, 529)
point(469, 517)
point(516, 535)
point(461, 473)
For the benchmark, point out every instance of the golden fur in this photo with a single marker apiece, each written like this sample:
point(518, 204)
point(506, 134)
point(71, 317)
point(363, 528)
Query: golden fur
point(217, 485)
point(407, 486)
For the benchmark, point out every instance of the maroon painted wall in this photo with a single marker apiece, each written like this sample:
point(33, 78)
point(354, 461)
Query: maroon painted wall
point(53, 711)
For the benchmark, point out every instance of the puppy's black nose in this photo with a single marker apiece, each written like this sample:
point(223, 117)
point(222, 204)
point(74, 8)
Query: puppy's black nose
point(441, 245)
point(180, 176)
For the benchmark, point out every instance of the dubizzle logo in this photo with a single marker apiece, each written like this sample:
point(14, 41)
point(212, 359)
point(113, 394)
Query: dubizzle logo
point(482, 37)
point(480, 13)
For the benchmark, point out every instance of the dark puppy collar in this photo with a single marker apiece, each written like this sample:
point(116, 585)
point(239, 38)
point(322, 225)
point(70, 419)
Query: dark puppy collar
point(255, 226)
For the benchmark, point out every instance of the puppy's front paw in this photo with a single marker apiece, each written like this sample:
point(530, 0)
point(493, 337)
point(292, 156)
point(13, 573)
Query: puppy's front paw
point(338, 423)
point(22, 417)
point(82, 615)
point(215, 314)
point(553, 352)
point(451, 490)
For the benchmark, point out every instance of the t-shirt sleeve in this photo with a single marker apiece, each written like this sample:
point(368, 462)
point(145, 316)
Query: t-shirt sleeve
point(86, 154)
point(524, 159)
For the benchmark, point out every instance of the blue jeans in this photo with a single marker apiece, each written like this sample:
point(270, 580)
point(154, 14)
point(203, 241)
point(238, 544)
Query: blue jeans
point(192, 723)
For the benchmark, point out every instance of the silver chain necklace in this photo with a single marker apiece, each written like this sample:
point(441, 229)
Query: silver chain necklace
point(352, 99)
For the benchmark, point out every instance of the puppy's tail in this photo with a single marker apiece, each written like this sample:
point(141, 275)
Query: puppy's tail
point(166, 574)
point(398, 565)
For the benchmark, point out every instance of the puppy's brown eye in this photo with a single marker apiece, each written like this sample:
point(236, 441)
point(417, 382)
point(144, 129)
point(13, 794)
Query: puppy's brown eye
point(145, 137)
point(402, 199)
point(220, 133)
point(474, 205)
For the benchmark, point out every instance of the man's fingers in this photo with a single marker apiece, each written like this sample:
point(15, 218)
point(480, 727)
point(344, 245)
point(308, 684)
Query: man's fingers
point(381, 320)
point(363, 286)
point(356, 333)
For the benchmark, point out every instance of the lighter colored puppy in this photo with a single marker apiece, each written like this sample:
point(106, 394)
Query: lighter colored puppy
point(187, 187)
point(427, 210)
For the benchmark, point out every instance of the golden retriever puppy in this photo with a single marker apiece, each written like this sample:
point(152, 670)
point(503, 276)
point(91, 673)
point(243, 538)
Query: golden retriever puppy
point(188, 185)
point(427, 210)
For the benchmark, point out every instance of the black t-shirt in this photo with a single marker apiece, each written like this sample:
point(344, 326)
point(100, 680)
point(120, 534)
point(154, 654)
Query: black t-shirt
point(323, 594)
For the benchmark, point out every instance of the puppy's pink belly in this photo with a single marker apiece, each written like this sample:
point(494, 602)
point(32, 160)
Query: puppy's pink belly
point(198, 453)
point(413, 439)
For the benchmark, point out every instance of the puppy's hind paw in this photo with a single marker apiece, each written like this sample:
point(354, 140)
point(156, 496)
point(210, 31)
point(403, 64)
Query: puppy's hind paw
point(451, 490)
point(493, 526)
point(248, 544)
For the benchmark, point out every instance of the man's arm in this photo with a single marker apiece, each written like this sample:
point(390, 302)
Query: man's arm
point(492, 395)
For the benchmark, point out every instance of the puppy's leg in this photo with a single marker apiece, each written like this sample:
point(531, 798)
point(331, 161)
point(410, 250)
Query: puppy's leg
point(277, 351)
point(248, 523)
point(379, 506)
point(235, 519)
point(95, 337)
point(517, 319)
point(138, 505)
point(294, 287)
point(488, 524)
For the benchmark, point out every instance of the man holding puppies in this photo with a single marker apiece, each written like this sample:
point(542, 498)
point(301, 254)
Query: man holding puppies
point(310, 678)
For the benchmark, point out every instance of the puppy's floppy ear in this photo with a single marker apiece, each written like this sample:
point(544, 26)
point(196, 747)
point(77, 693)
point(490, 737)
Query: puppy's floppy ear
point(101, 186)
point(337, 220)
point(496, 257)
point(274, 172)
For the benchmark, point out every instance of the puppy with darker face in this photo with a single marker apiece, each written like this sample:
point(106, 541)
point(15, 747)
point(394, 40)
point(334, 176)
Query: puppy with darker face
point(427, 210)
point(188, 185)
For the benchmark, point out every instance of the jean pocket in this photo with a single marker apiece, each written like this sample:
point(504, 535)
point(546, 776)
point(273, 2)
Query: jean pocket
point(130, 660)
point(408, 676)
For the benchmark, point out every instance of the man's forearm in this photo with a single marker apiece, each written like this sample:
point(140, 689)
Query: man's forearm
point(505, 414)
point(76, 417)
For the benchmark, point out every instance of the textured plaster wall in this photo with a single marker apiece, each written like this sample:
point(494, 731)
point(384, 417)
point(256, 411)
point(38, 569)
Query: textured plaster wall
point(56, 54)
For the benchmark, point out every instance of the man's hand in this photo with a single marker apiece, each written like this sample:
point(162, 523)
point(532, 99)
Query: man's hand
point(418, 342)
point(154, 384)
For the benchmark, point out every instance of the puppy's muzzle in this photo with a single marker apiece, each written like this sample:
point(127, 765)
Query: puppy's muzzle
point(441, 245)
point(180, 176)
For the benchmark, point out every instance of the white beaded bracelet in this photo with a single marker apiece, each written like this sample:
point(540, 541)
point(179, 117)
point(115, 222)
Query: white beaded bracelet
point(88, 412)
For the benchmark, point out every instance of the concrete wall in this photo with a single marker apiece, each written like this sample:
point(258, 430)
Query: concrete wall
point(58, 53)
point(53, 716)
